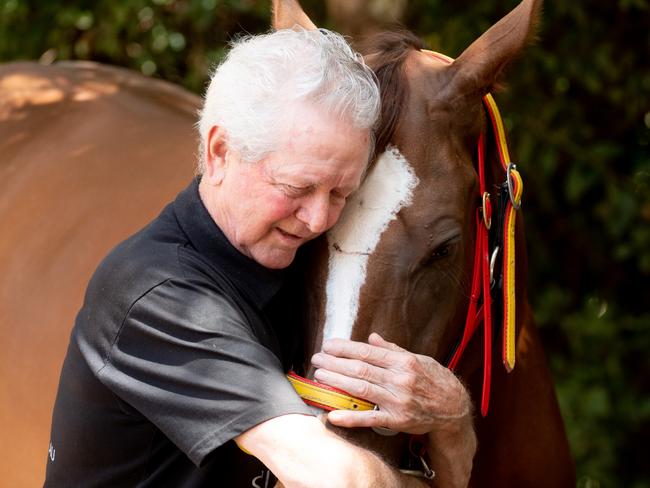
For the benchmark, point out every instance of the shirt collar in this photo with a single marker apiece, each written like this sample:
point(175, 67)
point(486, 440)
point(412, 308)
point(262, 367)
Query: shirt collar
point(257, 282)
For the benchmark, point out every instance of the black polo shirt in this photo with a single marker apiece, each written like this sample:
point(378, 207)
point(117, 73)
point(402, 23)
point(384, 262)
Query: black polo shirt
point(171, 357)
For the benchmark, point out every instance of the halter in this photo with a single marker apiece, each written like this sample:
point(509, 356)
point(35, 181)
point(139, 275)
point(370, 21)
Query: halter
point(493, 245)
point(326, 397)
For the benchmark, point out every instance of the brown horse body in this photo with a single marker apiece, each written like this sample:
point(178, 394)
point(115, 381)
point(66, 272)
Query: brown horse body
point(90, 154)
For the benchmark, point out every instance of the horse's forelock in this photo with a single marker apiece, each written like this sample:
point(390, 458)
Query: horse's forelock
point(386, 53)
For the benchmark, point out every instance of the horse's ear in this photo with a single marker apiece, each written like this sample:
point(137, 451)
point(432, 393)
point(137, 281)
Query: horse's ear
point(289, 13)
point(477, 69)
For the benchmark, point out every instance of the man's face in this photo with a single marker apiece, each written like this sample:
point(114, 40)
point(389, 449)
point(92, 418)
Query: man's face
point(270, 208)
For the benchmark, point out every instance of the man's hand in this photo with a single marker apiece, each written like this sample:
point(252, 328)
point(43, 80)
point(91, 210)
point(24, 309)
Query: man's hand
point(415, 394)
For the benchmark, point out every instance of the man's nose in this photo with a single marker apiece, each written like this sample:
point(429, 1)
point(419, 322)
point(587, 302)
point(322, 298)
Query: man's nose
point(314, 213)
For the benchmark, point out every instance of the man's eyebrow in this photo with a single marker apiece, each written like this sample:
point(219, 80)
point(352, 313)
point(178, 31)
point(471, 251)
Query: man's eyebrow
point(294, 181)
point(278, 177)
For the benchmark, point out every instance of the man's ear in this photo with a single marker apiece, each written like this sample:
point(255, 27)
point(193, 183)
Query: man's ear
point(215, 155)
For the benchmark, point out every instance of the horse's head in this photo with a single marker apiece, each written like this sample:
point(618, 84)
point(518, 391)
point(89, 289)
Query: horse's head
point(401, 258)
point(399, 261)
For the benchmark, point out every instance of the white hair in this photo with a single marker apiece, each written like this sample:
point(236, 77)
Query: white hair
point(264, 75)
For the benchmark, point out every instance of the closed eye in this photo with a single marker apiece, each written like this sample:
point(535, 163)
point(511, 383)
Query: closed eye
point(442, 251)
point(295, 191)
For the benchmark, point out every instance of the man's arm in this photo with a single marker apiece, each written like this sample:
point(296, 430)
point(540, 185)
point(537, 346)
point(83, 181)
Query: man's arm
point(415, 394)
point(301, 452)
point(451, 452)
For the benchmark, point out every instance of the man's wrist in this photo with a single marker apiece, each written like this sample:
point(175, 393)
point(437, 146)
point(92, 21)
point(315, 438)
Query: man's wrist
point(451, 452)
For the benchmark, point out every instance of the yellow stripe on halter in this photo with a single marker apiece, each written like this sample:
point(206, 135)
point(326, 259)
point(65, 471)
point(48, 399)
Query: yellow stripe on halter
point(509, 274)
point(328, 398)
point(509, 290)
point(500, 131)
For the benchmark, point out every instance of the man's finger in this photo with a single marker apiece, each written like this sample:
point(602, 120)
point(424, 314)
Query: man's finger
point(356, 387)
point(366, 418)
point(354, 368)
point(368, 353)
point(377, 340)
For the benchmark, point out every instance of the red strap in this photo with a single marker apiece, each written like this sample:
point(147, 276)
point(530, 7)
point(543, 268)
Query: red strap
point(487, 321)
point(482, 235)
point(473, 319)
point(480, 287)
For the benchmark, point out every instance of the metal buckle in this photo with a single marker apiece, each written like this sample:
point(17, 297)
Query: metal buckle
point(515, 204)
point(492, 261)
point(486, 210)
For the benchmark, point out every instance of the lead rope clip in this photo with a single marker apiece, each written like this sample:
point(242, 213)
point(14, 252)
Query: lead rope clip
point(426, 470)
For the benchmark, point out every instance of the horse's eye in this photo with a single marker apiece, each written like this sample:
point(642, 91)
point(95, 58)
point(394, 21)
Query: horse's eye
point(441, 251)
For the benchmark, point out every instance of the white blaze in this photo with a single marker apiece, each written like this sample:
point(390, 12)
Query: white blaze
point(387, 189)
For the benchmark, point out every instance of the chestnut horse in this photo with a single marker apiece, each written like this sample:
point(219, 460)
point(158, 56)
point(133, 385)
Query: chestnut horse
point(90, 154)
point(399, 260)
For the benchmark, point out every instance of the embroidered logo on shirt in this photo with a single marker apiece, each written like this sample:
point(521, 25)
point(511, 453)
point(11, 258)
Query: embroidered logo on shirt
point(262, 481)
point(51, 452)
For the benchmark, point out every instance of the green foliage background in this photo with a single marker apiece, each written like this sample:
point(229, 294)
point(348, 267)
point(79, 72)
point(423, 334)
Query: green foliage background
point(578, 113)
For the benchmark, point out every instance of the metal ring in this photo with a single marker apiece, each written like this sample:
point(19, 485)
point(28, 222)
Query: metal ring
point(515, 204)
point(487, 219)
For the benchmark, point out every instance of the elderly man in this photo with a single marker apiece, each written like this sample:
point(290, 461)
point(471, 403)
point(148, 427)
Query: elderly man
point(174, 375)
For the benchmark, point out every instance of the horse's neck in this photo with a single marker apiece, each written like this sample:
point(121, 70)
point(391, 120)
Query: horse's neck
point(523, 413)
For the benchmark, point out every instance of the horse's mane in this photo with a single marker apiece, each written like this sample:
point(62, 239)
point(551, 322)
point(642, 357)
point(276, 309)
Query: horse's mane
point(385, 54)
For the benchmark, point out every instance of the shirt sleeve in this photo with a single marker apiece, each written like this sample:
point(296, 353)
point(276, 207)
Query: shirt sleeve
point(188, 360)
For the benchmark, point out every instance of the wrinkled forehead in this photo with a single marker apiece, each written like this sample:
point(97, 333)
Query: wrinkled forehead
point(317, 150)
